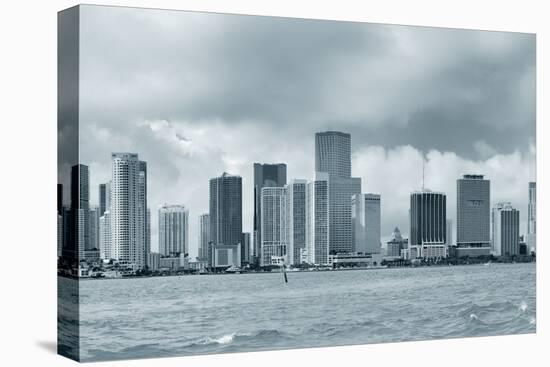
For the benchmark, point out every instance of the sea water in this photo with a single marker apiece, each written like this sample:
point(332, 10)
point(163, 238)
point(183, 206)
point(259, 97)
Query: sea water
point(201, 314)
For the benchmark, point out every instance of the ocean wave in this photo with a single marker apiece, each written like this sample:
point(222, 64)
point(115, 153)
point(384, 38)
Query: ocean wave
point(264, 336)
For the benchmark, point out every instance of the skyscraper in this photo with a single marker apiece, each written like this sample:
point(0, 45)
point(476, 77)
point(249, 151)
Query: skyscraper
point(93, 231)
point(265, 175)
point(245, 246)
point(204, 236)
point(104, 194)
point(366, 223)
point(333, 156)
point(428, 224)
point(59, 198)
point(226, 210)
point(333, 153)
point(532, 218)
point(296, 220)
point(317, 219)
point(173, 230)
point(505, 230)
point(273, 230)
point(105, 248)
point(128, 209)
point(80, 204)
point(473, 215)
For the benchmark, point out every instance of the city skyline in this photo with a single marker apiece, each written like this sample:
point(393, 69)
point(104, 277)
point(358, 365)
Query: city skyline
point(463, 99)
point(155, 240)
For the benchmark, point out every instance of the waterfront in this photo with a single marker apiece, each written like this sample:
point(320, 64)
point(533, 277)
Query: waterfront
point(169, 316)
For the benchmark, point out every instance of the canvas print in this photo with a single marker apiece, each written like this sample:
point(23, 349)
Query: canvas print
point(235, 183)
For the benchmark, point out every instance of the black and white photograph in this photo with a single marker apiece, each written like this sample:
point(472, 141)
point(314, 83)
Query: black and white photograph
point(236, 183)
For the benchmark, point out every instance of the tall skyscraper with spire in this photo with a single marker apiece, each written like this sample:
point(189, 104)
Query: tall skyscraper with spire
point(333, 156)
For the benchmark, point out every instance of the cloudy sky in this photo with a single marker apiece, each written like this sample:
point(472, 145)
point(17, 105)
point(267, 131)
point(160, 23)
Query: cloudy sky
point(198, 94)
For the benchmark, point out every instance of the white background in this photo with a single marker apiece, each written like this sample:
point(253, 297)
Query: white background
point(28, 179)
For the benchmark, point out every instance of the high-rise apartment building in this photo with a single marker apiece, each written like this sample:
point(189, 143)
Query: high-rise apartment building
point(173, 230)
point(129, 209)
point(105, 248)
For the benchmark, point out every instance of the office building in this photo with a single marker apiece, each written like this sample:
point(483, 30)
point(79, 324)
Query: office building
point(93, 231)
point(246, 247)
point(333, 153)
point(333, 156)
point(428, 224)
point(366, 222)
point(296, 220)
point(225, 210)
point(80, 204)
point(129, 210)
point(104, 198)
point(204, 236)
point(473, 215)
point(317, 219)
point(265, 175)
point(505, 230)
point(273, 226)
point(173, 230)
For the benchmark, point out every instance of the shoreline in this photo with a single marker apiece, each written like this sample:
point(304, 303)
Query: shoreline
point(300, 271)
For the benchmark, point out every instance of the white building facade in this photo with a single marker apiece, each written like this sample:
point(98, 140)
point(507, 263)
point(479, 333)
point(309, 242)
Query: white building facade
point(173, 230)
point(317, 219)
point(129, 210)
point(273, 225)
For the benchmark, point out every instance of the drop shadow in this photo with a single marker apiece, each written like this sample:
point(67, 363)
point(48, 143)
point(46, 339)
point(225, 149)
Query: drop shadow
point(48, 345)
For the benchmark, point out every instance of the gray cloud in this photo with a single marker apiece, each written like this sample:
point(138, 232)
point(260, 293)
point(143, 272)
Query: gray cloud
point(196, 94)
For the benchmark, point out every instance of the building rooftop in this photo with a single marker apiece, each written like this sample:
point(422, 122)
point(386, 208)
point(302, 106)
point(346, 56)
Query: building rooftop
point(472, 177)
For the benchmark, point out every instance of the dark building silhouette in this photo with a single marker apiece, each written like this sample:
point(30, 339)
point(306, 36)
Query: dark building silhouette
point(225, 211)
point(428, 224)
point(103, 192)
